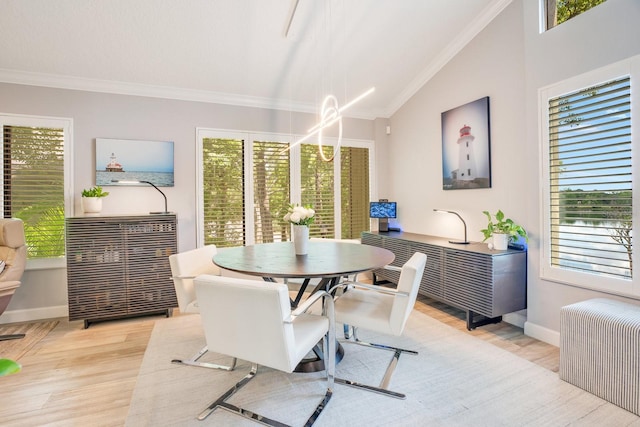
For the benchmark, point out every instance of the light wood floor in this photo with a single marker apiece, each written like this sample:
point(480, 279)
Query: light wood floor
point(81, 377)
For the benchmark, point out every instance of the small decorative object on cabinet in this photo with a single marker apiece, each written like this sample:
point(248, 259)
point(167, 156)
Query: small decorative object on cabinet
point(484, 283)
point(118, 266)
point(92, 199)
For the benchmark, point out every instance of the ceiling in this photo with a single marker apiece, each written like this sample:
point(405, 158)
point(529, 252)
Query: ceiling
point(236, 52)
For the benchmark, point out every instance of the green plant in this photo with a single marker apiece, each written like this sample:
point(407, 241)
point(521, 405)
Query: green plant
point(95, 192)
point(8, 367)
point(503, 225)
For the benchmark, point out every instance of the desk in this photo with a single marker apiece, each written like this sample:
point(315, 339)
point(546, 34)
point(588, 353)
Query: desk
point(327, 261)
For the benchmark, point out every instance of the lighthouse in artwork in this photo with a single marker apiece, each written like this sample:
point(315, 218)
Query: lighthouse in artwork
point(466, 159)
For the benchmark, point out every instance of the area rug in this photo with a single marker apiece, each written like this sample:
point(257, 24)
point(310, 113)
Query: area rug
point(456, 380)
point(34, 332)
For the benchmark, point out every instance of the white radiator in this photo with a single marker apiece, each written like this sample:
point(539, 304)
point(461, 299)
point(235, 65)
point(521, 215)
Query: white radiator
point(600, 350)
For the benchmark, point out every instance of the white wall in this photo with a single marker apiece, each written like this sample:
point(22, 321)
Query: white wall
point(43, 293)
point(508, 61)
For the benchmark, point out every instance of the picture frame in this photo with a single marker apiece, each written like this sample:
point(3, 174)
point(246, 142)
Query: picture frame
point(134, 160)
point(466, 146)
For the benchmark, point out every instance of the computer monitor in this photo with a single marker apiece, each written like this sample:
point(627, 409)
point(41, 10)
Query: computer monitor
point(383, 211)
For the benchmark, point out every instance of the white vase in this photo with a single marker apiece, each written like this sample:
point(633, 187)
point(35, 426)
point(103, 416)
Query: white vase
point(500, 241)
point(300, 238)
point(92, 205)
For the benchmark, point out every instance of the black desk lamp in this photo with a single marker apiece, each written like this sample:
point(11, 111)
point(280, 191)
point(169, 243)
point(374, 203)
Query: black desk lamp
point(135, 181)
point(465, 241)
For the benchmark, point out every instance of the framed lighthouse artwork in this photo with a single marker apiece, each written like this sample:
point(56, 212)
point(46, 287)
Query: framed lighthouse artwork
point(131, 160)
point(466, 146)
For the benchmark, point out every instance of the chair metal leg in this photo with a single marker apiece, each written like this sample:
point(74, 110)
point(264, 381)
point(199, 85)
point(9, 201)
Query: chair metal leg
point(193, 361)
point(11, 337)
point(222, 403)
point(386, 379)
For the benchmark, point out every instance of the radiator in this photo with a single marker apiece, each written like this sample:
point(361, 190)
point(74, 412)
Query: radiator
point(600, 350)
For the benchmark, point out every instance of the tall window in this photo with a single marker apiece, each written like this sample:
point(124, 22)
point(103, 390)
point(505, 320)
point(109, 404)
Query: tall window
point(589, 207)
point(248, 181)
point(34, 178)
point(558, 11)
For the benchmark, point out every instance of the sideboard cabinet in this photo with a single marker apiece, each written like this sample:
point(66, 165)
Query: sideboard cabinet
point(118, 266)
point(485, 283)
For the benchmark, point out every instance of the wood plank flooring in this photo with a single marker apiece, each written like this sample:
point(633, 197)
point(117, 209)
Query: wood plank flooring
point(80, 377)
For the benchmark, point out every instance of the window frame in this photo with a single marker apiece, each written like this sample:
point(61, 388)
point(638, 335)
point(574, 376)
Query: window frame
point(295, 177)
point(619, 286)
point(66, 124)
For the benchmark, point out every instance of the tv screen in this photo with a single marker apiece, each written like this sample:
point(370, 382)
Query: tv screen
point(382, 209)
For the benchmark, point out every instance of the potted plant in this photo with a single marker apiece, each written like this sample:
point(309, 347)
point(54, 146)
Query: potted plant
point(92, 199)
point(503, 230)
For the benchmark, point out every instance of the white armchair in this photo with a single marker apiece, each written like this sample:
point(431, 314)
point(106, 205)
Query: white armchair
point(185, 266)
point(381, 309)
point(252, 320)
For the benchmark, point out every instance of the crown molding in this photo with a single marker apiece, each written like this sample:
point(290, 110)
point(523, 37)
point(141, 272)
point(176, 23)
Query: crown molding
point(452, 49)
point(164, 92)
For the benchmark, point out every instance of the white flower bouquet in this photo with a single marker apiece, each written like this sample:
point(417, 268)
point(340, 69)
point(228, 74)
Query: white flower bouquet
point(299, 215)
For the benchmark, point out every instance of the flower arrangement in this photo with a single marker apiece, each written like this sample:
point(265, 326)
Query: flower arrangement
point(299, 215)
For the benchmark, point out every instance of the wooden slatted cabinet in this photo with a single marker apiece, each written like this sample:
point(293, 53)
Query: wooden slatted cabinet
point(118, 266)
point(485, 283)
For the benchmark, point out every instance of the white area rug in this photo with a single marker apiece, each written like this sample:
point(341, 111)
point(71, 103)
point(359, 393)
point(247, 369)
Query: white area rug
point(456, 380)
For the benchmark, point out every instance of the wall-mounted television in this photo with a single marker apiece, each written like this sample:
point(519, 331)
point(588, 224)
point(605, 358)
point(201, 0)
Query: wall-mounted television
point(134, 160)
point(382, 209)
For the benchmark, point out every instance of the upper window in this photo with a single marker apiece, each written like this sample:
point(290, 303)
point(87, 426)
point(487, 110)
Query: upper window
point(589, 151)
point(558, 11)
point(33, 175)
point(248, 182)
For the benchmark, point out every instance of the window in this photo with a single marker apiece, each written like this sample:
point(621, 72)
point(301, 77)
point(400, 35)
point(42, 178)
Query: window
point(588, 155)
point(558, 11)
point(241, 170)
point(35, 175)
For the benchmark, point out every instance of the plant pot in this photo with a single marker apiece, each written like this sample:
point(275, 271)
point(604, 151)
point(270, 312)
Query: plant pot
point(300, 239)
point(500, 241)
point(92, 205)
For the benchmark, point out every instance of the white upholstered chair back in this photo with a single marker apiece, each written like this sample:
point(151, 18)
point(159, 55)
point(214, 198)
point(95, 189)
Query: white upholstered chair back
point(185, 266)
point(13, 251)
point(409, 282)
point(250, 320)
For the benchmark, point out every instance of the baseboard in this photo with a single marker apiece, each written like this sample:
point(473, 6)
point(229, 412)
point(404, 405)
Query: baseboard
point(541, 333)
point(516, 319)
point(30, 315)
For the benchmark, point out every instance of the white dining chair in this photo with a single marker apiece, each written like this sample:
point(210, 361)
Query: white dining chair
point(252, 320)
point(380, 309)
point(185, 266)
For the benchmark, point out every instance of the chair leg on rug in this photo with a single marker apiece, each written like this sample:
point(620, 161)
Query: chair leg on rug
point(194, 362)
point(11, 337)
point(221, 403)
point(386, 379)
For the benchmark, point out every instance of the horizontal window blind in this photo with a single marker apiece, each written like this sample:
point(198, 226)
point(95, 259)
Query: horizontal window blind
point(33, 186)
point(271, 190)
point(354, 174)
point(317, 188)
point(223, 191)
point(590, 173)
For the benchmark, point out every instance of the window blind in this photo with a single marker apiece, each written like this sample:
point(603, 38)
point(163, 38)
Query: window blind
point(354, 173)
point(590, 173)
point(271, 183)
point(223, 191)
point(317, 189)
point(33, 186)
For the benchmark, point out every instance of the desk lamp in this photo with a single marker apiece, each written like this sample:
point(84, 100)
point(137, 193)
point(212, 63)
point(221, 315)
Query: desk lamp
point(133, 181)
point(465, 241)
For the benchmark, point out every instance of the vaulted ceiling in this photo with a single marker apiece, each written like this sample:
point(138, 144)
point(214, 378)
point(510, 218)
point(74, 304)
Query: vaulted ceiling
point(285, 54)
